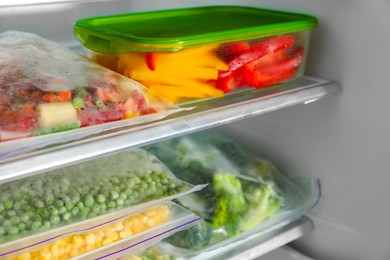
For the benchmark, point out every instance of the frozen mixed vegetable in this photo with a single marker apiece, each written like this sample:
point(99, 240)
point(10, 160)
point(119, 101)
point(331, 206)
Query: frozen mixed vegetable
point(80, 243)
point(47, 88)
point(231, 204)
point(212, 70)
point(64, 196)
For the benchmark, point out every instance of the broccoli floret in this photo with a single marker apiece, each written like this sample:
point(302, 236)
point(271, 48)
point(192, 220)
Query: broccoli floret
point(264, 202)
point(230, 203)
point(195, 238)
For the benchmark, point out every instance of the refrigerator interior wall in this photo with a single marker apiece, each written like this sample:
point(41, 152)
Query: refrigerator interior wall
point(341, 140)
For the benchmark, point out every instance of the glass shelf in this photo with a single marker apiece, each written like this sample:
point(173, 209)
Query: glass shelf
point(21, 158)
point(251, 247)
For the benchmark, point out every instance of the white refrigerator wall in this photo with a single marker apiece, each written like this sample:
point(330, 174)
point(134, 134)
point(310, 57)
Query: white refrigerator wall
point(342, 140)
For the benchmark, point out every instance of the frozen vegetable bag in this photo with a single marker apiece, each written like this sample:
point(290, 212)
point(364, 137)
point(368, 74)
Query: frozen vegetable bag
point(48, 206)
point(47, 88)
point(127, 232)
point(246, 193)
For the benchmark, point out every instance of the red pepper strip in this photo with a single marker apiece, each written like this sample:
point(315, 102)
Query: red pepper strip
point(260, 74)
point(261, 49)
point(226, 81)
point(151, 60)
point(228, 51)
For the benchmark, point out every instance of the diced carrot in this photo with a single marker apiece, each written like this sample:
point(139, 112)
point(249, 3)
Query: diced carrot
point(65, 96)
point(106, 95)
point(50, 97)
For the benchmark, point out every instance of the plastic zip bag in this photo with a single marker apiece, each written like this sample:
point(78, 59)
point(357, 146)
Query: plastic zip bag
point(47, 88)
point(58, 202)
point(100, 240)
point(246, 194)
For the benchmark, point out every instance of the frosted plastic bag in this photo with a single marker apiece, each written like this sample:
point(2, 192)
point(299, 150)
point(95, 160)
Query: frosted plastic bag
point(98, 241)
point(46, 88)
point(246, 194)
point(61, 201)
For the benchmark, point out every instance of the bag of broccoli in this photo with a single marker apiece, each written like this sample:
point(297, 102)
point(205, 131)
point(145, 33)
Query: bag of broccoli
point(232, 202)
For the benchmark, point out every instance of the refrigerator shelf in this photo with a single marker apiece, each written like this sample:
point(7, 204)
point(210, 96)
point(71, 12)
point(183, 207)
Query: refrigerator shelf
point(252, 247)
point(23, 158)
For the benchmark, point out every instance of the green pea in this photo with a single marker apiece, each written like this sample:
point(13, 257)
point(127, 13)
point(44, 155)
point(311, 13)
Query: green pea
point(17, 205)
point(111, 205)
point(66, 216)
point(59, 203)
point(100, 198)
point(11, 213)
point(12, 230)
point(54, 211)
point(2, 231)
point(103, 207)
point(120, 202)
point(84, 212)
point(15, 220)
point(80, 204)
point(21, 227)
point(89, 201)
point(39, 204)
point(36, 225)
point(75, 211)
point(24, 217)
point(49, 199)
point(8, 204)
point(2, 207)
point(62, 210)
point(114, 195)
point(115, 180)
point(69, 206)
point(55, 220)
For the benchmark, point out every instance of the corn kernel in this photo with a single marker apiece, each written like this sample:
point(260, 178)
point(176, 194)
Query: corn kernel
point(119, 226)
point(107, 241)
point(125, 234)
point(77, 242)
point(73, 253)
point(90, 239)
point(54, 249)
point(143, 219)
point(68, 248)
point(45, 255)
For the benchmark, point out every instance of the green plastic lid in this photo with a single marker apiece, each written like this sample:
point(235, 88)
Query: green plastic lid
point(172, 30)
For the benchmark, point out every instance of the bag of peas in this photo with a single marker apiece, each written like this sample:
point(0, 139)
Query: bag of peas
point(56, 203)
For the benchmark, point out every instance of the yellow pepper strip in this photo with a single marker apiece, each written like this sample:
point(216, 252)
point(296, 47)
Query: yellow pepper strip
point(192, 85)
point(190, 58)
point(176, 92)
point(134, 60)
point(78, 244)
point(172, 72)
